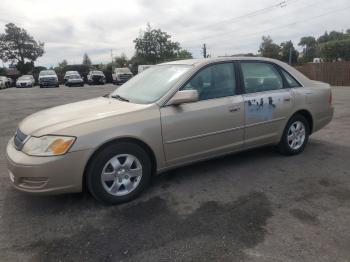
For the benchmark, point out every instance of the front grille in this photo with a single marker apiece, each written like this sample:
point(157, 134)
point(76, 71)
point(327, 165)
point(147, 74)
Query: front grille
point(124, 77)
point(19, 139)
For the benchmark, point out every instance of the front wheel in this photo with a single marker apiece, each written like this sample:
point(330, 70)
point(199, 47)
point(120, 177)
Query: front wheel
point(119, 173)
point(295, 136)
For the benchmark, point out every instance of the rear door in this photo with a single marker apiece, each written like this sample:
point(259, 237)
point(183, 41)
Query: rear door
point(267, 102)
point(210, 126)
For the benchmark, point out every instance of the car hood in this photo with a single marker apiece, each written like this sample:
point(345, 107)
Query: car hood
point(52, 120)
point(23, 81)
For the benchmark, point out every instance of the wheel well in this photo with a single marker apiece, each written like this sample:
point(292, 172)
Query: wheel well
point(308, 117)
point(140, 143)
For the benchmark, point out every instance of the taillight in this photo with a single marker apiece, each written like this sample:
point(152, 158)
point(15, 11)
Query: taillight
point(330, 98)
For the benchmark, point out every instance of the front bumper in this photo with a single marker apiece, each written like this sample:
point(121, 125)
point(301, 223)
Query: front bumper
point(76, 82)
point(24, 84)
point(46, 175)
point(47, 82)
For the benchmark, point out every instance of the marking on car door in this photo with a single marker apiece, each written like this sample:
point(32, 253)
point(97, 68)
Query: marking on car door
point(262, 108)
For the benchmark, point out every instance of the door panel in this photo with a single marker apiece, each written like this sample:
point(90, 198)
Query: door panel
point(265, 116)
point(205, 128)
point(267, 103)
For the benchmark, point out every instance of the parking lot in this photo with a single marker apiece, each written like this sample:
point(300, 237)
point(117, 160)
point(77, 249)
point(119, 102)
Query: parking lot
point(252, 206)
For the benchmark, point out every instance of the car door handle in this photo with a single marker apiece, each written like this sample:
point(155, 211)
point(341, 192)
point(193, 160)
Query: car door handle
point(286, 99)
point(234, 109)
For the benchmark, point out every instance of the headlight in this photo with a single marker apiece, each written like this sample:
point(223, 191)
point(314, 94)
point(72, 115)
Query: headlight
point(48, 145)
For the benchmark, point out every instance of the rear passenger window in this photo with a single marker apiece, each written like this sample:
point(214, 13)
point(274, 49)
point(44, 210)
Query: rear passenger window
point(214, 81)
point(260, 77)
point(290, 80)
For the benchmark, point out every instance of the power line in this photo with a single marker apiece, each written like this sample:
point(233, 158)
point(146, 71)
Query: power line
point(250, 14)
point(293, 23)
point(239, 29)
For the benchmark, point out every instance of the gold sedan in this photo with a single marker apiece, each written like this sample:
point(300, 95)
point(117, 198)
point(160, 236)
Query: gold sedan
point(170, 115)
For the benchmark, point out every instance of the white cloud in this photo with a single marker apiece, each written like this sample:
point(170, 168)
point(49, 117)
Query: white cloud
point(70, 28)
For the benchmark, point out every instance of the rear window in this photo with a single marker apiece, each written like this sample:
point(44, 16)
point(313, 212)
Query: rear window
point(290, 80)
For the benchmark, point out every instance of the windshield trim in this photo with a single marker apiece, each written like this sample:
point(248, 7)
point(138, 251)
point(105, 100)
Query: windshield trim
point(175, 85)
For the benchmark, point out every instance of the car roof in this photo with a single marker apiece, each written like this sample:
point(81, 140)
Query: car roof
point(200, 61)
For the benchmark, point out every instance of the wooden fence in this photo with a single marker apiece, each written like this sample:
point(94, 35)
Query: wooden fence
point(334, 73)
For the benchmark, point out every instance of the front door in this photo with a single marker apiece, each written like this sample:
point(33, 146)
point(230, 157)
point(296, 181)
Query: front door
point(210, 126)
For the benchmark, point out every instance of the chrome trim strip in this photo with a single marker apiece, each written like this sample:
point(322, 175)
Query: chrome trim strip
point(266, 122)
point(204, 135)
point(222, 131)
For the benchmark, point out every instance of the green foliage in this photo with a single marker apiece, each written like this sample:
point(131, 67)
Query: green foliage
point(26, 67)
point(333, 50)
point(121, 61)
point(63, 64)
point(86, 60)
point(154, 46)
point(310, 48)
point(17, 46)
point(269, 49)
point(286, 48)
point(184, 54)
point(2, 71)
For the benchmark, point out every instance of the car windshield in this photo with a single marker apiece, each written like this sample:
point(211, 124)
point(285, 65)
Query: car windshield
point(71, 73)
point(74, 77)
point(25, 78)
point(97, 73)
point(123, 71)
point(47, 72)
point(150, 85)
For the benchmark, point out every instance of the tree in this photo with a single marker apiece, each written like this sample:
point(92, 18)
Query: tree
point(269, 49)
point(17, 46)
point(63, 64)
point(184, 54)
point(121, 61)
point(86, 60)
point(333, 50)
point(309, 45)
point(323, 38)
point(155, 46)
point(287, 49)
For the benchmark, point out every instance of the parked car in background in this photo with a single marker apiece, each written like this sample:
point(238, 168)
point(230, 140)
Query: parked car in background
point(48, 78)
point(121, 75)
point(25, 81)
point(141, 68)
point(171, 115)
point(74, 80)
point(10, 82)
point(3, 82)
point(96, 77)
point(68, 73)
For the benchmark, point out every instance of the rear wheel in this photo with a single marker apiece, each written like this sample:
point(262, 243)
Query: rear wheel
point(119, 173)
point(295, 136)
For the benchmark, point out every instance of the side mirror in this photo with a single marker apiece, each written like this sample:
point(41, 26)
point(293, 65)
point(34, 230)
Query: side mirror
point(184, 96)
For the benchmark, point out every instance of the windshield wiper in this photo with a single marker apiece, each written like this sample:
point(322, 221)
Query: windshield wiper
point(120, 98)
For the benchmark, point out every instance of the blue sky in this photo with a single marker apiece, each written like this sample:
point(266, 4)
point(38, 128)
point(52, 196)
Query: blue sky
point(71, 28)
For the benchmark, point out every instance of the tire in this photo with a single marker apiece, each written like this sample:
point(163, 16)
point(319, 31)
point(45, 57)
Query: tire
point(294, 142)
point(113, 190)
point(41, 86)
point(57, 85)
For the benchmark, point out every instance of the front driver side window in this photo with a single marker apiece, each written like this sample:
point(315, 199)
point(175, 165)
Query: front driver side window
point(259, 77)
point(214, 81)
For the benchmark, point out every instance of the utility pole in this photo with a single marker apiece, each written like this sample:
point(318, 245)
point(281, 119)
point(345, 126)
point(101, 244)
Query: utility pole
point(290, 56)
point(204, 50)
point(112, 60)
